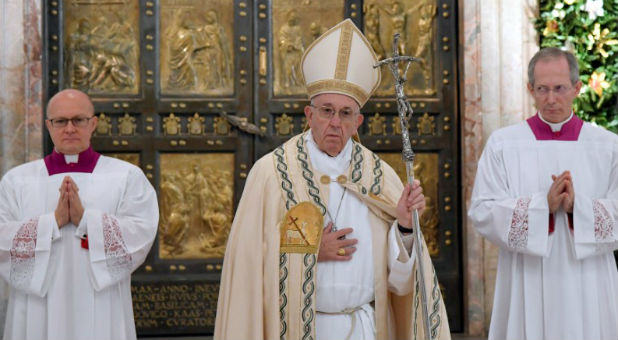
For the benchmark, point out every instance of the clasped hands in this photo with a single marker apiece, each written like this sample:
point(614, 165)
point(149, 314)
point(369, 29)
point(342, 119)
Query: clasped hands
point(334, 245)
point(561, 193)
point(69, 208)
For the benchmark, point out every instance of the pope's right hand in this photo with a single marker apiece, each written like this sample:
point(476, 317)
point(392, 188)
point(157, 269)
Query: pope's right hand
point(334, 246)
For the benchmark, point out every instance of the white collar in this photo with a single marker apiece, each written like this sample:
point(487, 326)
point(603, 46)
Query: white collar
point(326, 164)
point(556, 126)
point(69, 158)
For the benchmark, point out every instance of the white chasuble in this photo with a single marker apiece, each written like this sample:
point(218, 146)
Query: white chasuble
point(62, 286)
point(292, 296)
point(560, 281)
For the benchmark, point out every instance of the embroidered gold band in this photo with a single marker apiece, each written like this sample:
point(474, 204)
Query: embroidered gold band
point(338, 86)
point(343, 54)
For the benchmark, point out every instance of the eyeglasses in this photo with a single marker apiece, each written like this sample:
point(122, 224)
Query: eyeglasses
point(559, 90)
point(78, 122)
point(328, 112)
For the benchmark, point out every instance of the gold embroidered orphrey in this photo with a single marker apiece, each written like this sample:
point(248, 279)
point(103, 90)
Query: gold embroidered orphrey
point(301, 229)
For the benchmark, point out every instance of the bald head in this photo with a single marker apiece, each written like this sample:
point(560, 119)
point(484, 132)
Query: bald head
point(70, 121)
point(69, 97)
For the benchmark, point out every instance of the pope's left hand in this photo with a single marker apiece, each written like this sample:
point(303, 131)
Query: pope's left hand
point(411, 198)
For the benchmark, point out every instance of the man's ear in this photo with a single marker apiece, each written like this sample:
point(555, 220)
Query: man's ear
point(308, 114)
point(93, 121)
point(359, 119)
point(578, 86)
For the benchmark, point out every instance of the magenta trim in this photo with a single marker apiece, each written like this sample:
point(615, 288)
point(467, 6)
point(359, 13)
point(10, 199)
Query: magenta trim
point(569, 131)
point(86, 162)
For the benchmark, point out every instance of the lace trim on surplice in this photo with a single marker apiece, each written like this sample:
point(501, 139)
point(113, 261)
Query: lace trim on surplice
point(119, 261)
point(603, 223)
point(518, 233)
point(23, 254)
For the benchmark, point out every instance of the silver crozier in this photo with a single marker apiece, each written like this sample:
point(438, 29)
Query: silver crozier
point(405, 113)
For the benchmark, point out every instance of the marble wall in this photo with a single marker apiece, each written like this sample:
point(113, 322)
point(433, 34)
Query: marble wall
point(20, 81)
point(496, 41)
point(21, 138)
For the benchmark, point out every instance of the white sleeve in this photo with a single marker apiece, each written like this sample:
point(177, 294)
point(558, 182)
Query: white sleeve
point(27, 258)
point(595, 219)
point(401, 259)
point(119, 241)
point(519, 224)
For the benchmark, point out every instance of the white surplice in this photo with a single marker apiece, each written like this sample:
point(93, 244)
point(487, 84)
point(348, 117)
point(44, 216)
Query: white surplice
point(350, 284)
point(58, 289)
point(562, 285)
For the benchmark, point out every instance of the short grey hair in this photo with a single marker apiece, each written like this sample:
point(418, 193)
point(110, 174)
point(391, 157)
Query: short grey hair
point(551, 53)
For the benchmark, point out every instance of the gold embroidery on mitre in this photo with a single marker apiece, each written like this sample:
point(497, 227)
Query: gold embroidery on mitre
point(338, 86)
point(301, 229)
point(348, 32)
point(343, 54)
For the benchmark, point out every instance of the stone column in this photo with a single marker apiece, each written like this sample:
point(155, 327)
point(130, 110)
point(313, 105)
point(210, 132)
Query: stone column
point(21, 139)
point(498, 39)
point(20, 81)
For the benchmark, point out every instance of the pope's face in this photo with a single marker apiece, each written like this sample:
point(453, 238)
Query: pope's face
point(552, 90)
point(70, 105)
point(332, 133)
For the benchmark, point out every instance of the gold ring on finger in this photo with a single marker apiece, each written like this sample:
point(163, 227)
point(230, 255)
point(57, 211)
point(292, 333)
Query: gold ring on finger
point(341, 252)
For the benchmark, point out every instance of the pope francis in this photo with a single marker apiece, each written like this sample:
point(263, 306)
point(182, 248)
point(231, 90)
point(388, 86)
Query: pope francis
point(321, 244)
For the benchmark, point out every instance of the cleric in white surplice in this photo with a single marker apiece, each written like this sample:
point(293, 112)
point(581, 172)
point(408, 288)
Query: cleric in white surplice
point(73, 226)
point(546, 193)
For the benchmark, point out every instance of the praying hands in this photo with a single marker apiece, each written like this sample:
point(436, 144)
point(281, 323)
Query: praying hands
point(561, 193)
point(69, 208)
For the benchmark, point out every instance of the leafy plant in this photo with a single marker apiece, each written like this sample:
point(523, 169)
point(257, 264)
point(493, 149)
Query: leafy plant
point(589, 29)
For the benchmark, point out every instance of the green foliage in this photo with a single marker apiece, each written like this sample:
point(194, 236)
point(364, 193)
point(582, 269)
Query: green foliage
point(592, 35)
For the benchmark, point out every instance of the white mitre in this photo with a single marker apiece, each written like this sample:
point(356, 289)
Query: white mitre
point(341, 61)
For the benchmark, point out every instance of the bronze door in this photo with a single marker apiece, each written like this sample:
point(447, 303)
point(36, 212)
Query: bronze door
point(195, 91)
point(428, 30)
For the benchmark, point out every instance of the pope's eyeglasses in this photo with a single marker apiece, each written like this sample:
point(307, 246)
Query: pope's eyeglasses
point(328, 112)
